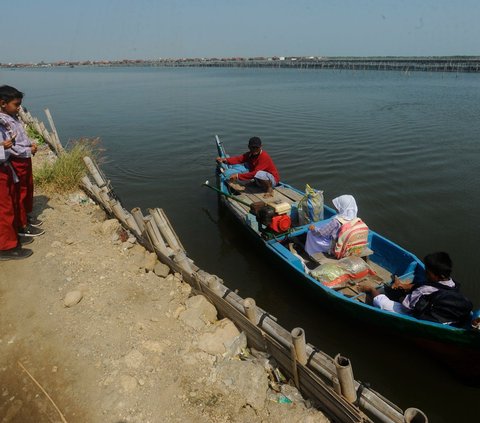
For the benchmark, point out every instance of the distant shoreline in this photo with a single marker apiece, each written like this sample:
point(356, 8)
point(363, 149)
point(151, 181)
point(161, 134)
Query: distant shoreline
point(470, 64)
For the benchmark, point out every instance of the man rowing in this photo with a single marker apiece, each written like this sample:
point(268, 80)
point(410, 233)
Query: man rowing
point(255, 165)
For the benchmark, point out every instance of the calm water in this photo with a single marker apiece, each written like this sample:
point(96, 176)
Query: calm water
point(406, 146)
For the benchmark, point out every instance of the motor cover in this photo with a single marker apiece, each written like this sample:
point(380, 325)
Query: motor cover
point(281, 223)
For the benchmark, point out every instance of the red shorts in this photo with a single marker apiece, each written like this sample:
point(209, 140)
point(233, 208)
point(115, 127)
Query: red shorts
point(23, 169)
point(8, 221)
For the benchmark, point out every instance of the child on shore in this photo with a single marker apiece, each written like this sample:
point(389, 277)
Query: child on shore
point(10, 247)
point(21, 159)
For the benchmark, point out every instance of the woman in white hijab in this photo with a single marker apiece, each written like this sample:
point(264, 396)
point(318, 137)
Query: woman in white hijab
point(320, 239)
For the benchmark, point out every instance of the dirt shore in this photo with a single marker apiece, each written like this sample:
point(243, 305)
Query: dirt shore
point(134, 344)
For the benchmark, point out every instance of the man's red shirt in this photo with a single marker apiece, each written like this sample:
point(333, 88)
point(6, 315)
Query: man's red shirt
point(255, 163)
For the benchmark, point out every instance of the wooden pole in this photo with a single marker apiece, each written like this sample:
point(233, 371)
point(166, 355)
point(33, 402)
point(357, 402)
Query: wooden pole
point(298, 337)
point(414, 415)
point(100, 181)
point(181, 258)
point(154, 235)
point(87, 184)
point(132, 223)
point(165, 230)
point(251, 310)
point(105, 198)
point(118, 210)
point(345, 376)
point(215, 286)
point(138, 216)
point(54, 132)
point(294, 366)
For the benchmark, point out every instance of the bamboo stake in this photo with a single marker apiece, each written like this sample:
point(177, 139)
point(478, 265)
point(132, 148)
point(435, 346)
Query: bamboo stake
point(345, 376)
point(138, 216)
point(181, 258)
point(118, 210)
point(414, 415)
point(168, 233)
point(60, 148)
point(298, 337)
point(43, 390)
point(155, 236)
point(97, 176)
point(87, 184)
point(251, 310)
point(294, 366)
point(132, 223)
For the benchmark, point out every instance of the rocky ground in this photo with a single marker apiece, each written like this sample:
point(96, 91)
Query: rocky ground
point(112, 336)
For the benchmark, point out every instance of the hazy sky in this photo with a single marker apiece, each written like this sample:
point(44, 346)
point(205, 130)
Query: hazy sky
point(50, 30)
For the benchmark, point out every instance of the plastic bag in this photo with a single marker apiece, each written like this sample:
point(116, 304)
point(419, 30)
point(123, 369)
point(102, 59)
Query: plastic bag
point(332, 275)
point(310, 207)
point(338, 275)
point(354, 265)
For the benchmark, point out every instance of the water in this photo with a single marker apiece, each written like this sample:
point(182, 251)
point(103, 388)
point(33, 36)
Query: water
point(405, 145)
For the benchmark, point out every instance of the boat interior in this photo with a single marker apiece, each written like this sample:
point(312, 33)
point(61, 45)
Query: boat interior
point(375, 266)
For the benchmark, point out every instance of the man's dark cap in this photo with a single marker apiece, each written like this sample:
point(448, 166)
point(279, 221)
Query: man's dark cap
point(254, 142)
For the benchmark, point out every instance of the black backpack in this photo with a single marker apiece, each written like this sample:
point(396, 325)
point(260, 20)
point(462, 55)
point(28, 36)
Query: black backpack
point(447, 305)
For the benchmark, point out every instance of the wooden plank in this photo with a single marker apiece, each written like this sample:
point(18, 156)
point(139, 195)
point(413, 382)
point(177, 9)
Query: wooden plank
point(288, 192)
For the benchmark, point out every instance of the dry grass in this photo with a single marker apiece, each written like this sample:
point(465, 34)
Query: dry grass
point(63, 175)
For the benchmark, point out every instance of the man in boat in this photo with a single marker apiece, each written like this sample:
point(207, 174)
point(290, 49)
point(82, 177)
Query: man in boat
point(439, 290)
point(256, 165)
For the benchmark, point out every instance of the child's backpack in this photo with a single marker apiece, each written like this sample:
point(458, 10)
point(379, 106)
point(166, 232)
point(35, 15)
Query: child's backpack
point(352, 238)
point(447, 305)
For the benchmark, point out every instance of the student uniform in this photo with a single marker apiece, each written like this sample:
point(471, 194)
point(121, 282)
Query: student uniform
point(21, 160)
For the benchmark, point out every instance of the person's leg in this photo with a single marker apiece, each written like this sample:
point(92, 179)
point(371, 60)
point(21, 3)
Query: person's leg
point(29, 182)
point(234, 169)
point(21, 167)
point(8, 232)
point(24, 197)
point(266, 181)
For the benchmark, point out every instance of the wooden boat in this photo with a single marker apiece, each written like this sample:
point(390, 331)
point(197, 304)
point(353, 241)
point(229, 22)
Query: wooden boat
point(458, 347)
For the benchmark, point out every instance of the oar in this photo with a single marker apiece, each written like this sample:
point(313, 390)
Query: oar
point(207, 184)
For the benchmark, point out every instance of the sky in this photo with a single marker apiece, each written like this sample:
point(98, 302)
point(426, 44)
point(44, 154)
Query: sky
point(70, 30)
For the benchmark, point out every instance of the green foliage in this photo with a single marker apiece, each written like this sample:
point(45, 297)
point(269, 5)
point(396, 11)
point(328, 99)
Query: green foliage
point(34, 135)
point(63, 175)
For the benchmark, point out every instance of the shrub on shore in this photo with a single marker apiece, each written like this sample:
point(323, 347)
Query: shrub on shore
point(35, 135)
point(65, 172)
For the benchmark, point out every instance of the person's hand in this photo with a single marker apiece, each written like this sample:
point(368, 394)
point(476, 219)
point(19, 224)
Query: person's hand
point(34, 148)
point(8, 143)
point(233, 178)
point(221, 159)
point(398, 284)
point(368, 289)
point(311, 227)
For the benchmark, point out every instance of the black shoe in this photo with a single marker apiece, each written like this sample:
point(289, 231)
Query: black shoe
point(25, 240)
point(17, 253)
point(33, 221)
point(30, 231)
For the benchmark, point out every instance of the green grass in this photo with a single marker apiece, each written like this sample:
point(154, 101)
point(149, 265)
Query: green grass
point(34, 135)
point(64, 174)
